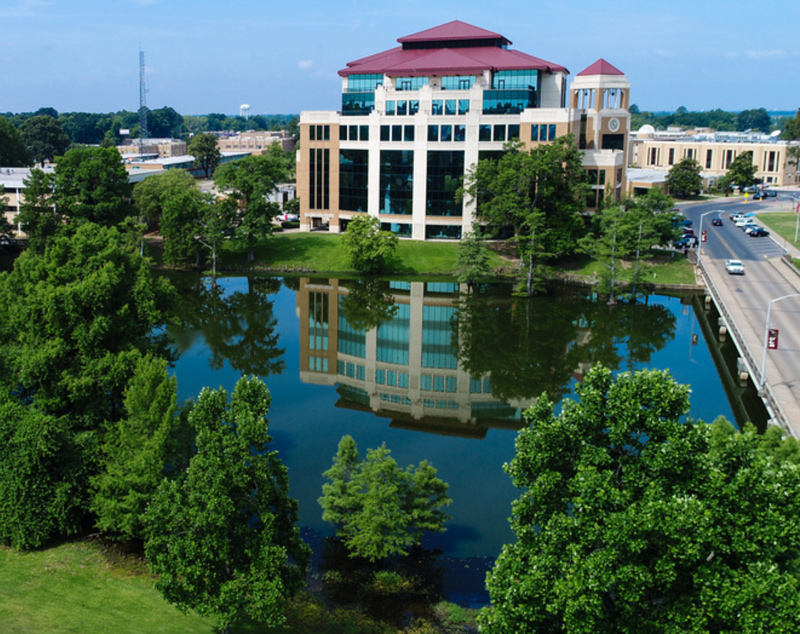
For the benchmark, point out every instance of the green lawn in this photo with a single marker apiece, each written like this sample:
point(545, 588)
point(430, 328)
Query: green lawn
point(781, 224)
point(666, 268)
point(75, 588)
point(322, 253)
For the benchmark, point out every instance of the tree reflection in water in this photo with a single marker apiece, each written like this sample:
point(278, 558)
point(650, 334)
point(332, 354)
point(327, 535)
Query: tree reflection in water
point(530, 346)
point(238, 327)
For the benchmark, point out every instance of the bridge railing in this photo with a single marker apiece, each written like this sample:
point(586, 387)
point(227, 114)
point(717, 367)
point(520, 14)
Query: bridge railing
point(771, 402)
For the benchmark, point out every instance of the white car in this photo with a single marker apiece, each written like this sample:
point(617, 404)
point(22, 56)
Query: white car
point(744, 222)
point(734, 267)
point(287, 217)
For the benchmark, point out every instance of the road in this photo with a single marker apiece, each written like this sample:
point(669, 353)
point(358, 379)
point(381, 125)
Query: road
point(747, 297)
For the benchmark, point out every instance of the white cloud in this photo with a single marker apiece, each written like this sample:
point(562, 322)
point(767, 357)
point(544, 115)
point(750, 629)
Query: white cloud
point(305, 64)
point(773, 54)
point(664, 52)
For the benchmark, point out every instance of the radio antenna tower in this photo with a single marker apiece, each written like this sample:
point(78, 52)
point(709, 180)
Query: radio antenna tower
point(142, 104)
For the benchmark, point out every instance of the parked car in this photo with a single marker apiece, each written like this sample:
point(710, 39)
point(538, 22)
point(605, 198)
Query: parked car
point(769, 193)
point(738, 217)
point(759, 195)
point(287, 217)
point(717, 222)
point(758, 232)
point(687, 242)
point(744, 222)
point(687, 232)
point(734, 267)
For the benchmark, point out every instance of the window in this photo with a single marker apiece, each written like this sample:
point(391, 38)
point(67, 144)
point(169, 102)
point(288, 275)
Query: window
point(353, 179)
point(390, 105)
point(385, 134)
point(437, 107)
point(485, 132)
point(397, 133)
point(671, 159)
point(408, 133)
point(653, 156)
point(459, 133)
point(445, 170)
point(513, 131)
point(515, 79)
point(499, 132)
point(413, 106)
point(357, 103)
point(364, 83)
point(353, 133)
point(364, 133)
point(458, 82)
point(433, 133)
point(447, 133)
point(343, 133)
point(411, 83)
point(463, 106)
point(551, 132)
point(709, 155)
point(729, 156)
point(396, 181)
point(535, 132)
point(450, 106)
point(402, 108)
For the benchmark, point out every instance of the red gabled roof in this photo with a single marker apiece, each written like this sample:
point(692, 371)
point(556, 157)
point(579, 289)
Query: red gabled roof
point(455, 30)
point(600, 67)
point(443, 60)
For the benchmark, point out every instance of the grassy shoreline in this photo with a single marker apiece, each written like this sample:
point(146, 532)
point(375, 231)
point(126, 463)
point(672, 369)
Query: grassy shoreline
point(321, 254)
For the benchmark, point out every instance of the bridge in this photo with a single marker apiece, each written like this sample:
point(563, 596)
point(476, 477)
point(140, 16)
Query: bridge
point(771, 284)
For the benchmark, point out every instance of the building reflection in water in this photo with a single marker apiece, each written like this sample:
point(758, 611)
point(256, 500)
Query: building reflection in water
point(404, 364)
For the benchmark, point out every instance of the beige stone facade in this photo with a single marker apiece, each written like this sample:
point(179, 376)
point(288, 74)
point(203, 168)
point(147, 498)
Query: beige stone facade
point(153, 148)
point(256, 142)
point(771, 156)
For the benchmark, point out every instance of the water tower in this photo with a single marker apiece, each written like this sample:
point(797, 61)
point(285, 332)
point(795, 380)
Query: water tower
point(244, 110)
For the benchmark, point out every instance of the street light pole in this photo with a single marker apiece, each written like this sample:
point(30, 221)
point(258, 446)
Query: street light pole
point(700, 234)
point(762, 379)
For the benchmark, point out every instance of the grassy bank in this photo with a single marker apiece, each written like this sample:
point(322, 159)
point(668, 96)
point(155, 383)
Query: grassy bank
point(77, 588)
point(322, 254)
point(87, 587)
point(780, 224)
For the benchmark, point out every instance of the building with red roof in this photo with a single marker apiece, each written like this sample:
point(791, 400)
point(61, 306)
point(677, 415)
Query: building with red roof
point(415, 117)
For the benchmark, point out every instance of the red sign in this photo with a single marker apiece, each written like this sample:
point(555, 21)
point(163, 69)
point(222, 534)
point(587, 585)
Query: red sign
point(772, 339)
point(703, 235)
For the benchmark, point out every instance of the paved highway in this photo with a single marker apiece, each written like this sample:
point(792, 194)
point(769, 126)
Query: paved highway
point(746, 297)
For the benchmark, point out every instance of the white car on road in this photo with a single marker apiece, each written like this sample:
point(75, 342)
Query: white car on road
point(734, 267)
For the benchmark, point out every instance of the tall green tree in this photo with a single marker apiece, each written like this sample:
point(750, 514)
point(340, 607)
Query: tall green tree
point(151, 194)
point(634, 520)
point(249, 181)
point(741, 172)
point(754, 119)
point(380, 509)
point(472, 260)
point(791, 129)
point(684, 178)
point(223, 538)
point(75, 319)
point(370, 250)
point(91, 185)
point(180, 213)
point(44, 137)
point(13, 151)
point(137, 450)
point(539, 194)
point(203, 147)
point(39, 219)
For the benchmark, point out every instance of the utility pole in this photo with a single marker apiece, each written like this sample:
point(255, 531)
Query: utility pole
point(142, 105)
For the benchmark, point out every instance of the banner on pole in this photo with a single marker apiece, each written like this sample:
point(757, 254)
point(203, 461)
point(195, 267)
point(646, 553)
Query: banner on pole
point(772, 339)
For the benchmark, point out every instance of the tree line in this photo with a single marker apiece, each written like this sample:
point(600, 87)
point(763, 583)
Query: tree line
point(33, 137)
point(756, 119)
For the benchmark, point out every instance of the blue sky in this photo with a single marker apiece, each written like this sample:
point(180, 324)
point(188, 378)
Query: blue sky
point(282, 57)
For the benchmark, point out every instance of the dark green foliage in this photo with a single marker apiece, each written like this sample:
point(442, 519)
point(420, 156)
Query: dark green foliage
point(791, 129)
point(44, 137)
point(181, 211)
point(367, 304)
point(13, 151)
point(137, 450)
point(223, 538)
point(249, 181)
point(151, 194)
point(203, 147)
point(91, 185)
point(757, 119)
point(44, 476)
point(74, 320)
point(632, 520)
point(741, 172)
point(539, 194)
point(684, 178)
point(379, 508)
point(370, 250)
point(473, 260)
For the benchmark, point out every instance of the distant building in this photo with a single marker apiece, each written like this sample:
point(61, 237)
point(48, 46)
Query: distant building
point(255, 141)
point(152, 148)
point(12, 180)
point(714, 151)
point(416, 117)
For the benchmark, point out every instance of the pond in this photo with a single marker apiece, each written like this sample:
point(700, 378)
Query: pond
point(434, 373)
